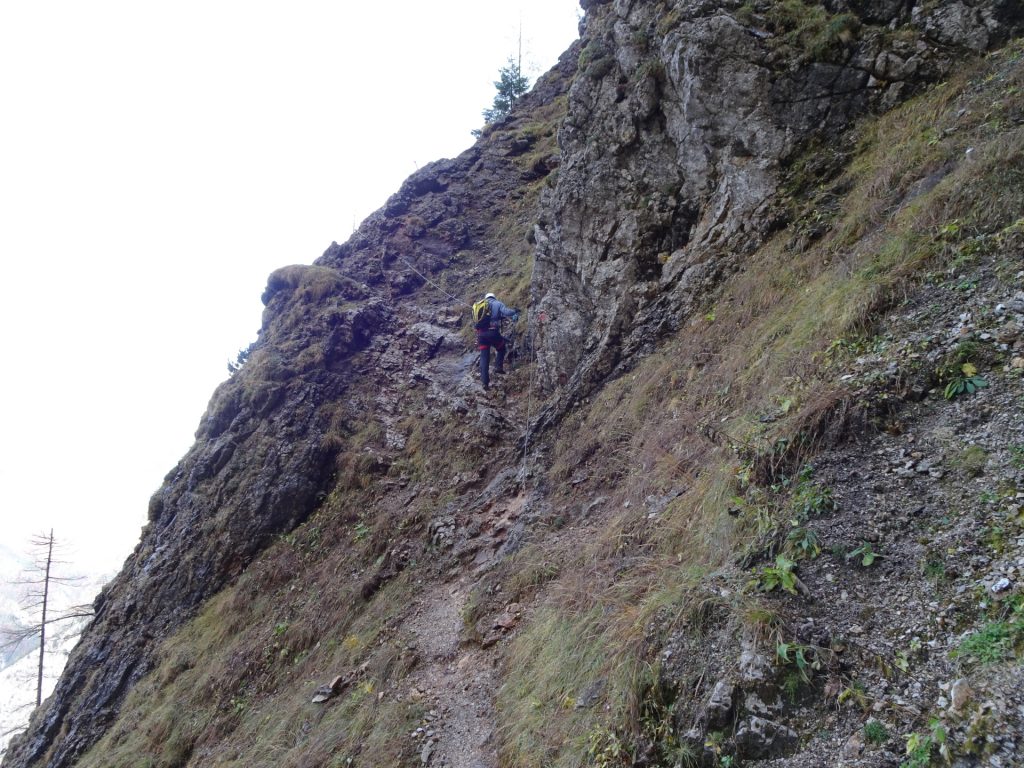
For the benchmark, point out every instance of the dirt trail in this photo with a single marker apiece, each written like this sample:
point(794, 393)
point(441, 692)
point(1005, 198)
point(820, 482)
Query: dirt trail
point(457, 685)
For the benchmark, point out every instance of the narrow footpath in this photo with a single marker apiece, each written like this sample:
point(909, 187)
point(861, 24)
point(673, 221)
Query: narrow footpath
point(456, 683)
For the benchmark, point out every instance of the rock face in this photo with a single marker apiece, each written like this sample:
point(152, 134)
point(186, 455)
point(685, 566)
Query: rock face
point(681, 126)
point(758, 738)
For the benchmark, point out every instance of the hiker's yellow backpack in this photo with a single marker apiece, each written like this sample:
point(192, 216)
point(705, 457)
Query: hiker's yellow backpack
point(482, 315)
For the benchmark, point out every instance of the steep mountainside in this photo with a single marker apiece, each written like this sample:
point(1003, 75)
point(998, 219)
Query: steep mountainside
point(751, 494)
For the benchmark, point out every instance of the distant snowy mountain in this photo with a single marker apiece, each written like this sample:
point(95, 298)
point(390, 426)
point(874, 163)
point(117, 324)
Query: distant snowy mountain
point(19, 663)
point(12, 565)
point(11, 562)
point(18, 680)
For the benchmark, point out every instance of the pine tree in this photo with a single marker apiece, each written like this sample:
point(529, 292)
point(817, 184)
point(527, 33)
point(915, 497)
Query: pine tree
point(511, 85)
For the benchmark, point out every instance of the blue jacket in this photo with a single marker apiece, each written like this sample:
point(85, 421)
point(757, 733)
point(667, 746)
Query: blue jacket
point(499, 312)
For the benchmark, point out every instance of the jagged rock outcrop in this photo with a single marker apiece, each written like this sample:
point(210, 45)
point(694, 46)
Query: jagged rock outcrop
point(680, 129)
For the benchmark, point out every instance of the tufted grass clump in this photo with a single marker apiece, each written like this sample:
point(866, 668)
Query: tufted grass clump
point(996, 641)
point(875, 733)
point(805, 30)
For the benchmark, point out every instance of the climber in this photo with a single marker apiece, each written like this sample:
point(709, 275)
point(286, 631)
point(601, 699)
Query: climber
point(487, 316)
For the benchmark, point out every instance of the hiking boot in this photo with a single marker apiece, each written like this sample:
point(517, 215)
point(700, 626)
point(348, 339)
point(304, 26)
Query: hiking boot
point(500, 370)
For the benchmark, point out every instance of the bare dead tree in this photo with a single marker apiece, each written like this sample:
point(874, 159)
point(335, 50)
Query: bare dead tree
point(40, 580)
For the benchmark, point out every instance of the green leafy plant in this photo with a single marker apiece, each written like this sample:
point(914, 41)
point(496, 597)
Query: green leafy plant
point(655, 717)
point(951, 230)
point(995, 538)
point(968, 251)
point(777, 576)
point(855, 693)
point(803, 657)
point(651, 732)
point(715, 742)
point(810, 498)
point(967, 382)
point(920, 747)
point(605, 748)
point(802, 542)
point(934, 569)
point(865, 552)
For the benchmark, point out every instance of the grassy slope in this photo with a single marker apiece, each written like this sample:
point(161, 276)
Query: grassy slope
point(232, 688)
point(737, 401)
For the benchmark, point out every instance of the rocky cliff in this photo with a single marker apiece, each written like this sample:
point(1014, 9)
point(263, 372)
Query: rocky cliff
point(681, 128)
point(751, 492)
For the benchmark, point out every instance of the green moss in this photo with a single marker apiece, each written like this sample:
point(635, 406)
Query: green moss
point(594, 51)
point(971, 460)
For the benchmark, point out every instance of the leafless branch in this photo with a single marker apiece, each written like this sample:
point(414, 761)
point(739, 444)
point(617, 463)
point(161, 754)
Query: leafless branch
point(41, 581)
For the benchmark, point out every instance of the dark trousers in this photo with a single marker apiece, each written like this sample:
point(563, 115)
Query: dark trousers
point(485, 340)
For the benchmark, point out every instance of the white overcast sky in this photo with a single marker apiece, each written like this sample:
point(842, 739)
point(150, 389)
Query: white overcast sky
point(157, 162)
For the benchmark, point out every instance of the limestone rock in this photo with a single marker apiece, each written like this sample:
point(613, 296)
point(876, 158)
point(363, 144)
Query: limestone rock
point(960, 694)
point(758, 738)
point(672, 151)
point(719, 708)
point(854, 746)
point(756, 705)
point(958, 24)
point(432, 339)
point(330, 690)
point(755, 668)
point(591, 695)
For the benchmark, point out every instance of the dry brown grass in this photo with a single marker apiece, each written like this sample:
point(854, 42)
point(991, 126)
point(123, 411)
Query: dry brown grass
point(689, 416)
point(233, 685)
